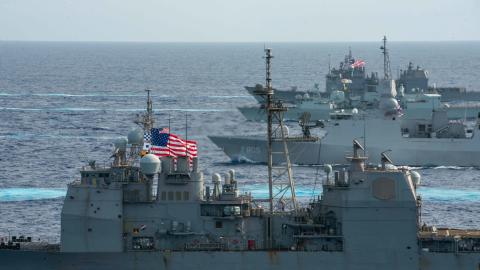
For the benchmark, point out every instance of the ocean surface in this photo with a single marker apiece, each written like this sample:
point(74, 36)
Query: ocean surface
point(62, 104)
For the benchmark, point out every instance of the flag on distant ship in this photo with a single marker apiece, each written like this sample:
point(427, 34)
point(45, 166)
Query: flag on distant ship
point(358, 63)
point(162, 143)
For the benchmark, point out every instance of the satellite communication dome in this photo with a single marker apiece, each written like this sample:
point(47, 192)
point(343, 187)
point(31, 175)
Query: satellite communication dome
point(416, 177)
point(354, 111)
point(121, 144)
point(150, 164)
point(327, 168)
point(135, 136)
point(389, 105)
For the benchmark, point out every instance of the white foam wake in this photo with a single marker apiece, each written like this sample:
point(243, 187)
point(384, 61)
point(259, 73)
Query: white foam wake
point(28, 194)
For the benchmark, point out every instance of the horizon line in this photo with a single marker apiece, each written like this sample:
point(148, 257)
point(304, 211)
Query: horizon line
point(206, 42)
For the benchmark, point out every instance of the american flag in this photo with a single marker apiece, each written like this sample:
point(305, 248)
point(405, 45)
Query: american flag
point(358, 63)
point(162, 143)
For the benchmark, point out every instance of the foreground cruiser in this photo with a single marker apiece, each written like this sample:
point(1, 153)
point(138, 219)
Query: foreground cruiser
point(366, 218)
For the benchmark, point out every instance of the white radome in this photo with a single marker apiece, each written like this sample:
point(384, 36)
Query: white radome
point(327, 168)
point(135, 136)
point(121, 144)
point(389, 105)
point(150, 164)
point(416, 177)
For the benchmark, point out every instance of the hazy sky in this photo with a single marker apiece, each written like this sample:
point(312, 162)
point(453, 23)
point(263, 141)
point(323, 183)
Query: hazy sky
point(239, 20)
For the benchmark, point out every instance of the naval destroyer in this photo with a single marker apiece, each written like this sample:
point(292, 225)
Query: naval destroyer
point(146, 212)
point(419, 130)
point(364, 92)
point(435, 141)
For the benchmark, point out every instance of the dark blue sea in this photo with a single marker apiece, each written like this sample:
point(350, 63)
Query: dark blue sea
point(62, 104)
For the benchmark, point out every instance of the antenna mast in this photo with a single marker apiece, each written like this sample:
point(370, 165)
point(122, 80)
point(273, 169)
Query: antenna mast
point(387, 72)
point(146, 120)
point(329, 64)
point(277, 188)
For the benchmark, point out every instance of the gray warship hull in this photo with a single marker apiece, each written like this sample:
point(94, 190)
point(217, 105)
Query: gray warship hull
point(287, 96)
point(253, 149)
point(221, 260)
point(331, 149)
point(293, 114)
point(457, 94)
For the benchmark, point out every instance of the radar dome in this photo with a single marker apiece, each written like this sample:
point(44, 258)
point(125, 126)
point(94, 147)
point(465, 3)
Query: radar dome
point(150, 164)
point(389, 105)
point(327, 168)
point(354, 111)
point(121, 144)
point(135, 136)
point(416, 177)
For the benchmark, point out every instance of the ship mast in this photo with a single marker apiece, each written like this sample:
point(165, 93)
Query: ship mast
point(146, 120)
point(278, 188)
point(269, 96)
point(387, 72)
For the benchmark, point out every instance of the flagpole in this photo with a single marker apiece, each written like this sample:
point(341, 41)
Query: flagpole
point(186, 133)
point(169, 122)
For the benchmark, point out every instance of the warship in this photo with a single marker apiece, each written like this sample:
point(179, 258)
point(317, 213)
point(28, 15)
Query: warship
point(436, 141)
point(420, 134)
point(350, 68)
point(286, 95)
point(415, 80)
point(363, 92)
point(146, 212)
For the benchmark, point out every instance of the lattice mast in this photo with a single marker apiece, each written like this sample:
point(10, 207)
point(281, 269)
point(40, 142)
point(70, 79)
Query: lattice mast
point(277, 188)
point(387, 72)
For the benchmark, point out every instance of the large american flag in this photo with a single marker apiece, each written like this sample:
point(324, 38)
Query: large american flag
point(162, 143)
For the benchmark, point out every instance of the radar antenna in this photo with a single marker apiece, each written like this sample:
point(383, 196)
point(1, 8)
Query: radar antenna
point(385, 159)
point(281, 190)
point(387, 72)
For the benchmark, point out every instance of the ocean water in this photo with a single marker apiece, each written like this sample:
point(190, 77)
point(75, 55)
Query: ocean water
point(62, 104)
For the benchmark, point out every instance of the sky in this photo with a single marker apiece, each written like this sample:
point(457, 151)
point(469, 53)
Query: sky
point(239, 20)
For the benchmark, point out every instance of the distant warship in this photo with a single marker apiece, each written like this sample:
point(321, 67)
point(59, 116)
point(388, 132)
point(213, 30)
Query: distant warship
point(433, 141)
point(415, 80)
point(350, 69)
point(366, 218)
point(421, 133)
